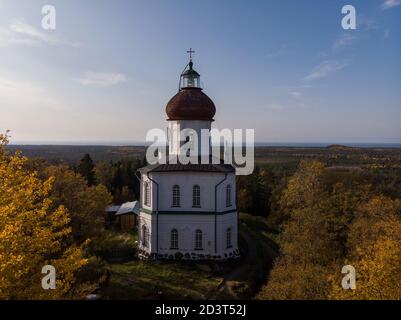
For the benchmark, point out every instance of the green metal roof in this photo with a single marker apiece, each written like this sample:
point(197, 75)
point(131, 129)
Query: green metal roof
point(190, 72)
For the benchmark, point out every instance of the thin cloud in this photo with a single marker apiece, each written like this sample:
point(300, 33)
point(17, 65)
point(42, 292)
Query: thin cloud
point(324, 69)
point(388, 4)
point(29, 31)
point(347, 39)
point(102, 79)
point(344, 40)
point(21, 33)
point(339, 44)
point(367, 23)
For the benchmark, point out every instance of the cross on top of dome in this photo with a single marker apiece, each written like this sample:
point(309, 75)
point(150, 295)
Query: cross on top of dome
point(189, 78)
point(190, 51)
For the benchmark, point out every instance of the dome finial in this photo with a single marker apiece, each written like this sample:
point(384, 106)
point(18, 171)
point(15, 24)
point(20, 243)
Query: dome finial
point(190, 51)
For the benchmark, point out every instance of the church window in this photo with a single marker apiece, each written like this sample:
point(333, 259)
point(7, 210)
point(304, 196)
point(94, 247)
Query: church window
point(176, 196)
point(147, 193)
point(228, 196)
point(198, 240)
point(174, 239)
point(196, 196)
point(145, 236)
point(229, 238)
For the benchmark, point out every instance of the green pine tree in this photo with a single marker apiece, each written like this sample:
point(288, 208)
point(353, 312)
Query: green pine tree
point(86, 169)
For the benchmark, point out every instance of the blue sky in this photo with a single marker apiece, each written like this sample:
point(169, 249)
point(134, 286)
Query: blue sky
point(284, 68)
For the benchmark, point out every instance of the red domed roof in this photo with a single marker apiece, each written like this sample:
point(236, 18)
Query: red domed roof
point(190, 104)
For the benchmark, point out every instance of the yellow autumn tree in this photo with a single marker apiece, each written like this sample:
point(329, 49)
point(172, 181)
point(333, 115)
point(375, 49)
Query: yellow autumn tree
point(305, 244)
point(33, 234)
point(304, 187)
point(312, 239)
point(374, 250)
point(86, 204)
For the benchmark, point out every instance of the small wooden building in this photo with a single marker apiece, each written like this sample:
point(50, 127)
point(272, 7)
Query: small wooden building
point(126, 215)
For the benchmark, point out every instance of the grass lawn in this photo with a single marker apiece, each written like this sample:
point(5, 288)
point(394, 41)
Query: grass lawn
point(259, 229)
point(161, 280)
point(137, 279)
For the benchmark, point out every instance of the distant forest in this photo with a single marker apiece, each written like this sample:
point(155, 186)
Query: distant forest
point(115, 167)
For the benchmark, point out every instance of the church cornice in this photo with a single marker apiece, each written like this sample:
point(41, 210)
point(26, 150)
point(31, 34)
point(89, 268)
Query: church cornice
point(182, 212)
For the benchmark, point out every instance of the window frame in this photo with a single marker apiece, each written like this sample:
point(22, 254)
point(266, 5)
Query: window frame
point(198, 240)
point(176, 196)
point(229, 240)
point(229, 202)
point(196, 198)
point(174, 239)
point(147, 194)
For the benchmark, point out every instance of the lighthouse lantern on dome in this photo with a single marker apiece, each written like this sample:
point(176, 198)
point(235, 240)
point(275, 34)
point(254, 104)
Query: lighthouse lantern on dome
point(190, 78)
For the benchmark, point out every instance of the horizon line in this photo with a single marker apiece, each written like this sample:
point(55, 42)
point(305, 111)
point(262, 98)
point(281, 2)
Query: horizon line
point(257, 144)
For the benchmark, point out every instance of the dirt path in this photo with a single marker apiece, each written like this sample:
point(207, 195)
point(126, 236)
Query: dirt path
point(250, 256)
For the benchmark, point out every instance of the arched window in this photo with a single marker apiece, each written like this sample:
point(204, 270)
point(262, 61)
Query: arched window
point(196, 196)
point(176, 196)
point(147, 193)
point(228, 196)
point(229, 238)
point(198, 240)
point(145, 236)
point(174, 239)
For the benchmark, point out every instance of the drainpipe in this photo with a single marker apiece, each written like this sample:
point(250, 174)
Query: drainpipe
point(157, 212)
point(215, 212)
point(140, 202)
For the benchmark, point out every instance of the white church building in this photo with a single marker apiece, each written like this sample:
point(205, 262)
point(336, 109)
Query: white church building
point(188, 211)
